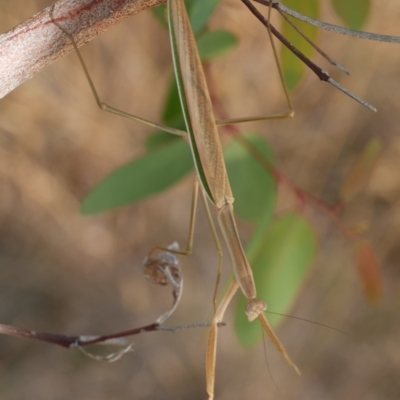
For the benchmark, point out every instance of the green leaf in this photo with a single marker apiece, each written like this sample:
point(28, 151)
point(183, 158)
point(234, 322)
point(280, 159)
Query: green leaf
point(172, 114)
point(216, 43)
point(143, 177)
point(159, 139)
point(353, 13)
point(293, 68)
point(199, 12)
point(253, 186)
point(281, 256)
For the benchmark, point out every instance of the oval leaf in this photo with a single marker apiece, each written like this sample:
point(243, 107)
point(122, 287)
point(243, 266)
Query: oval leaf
point(199, 12)
point(368, 270)
point(281, 258)
point(358, 177)
point(293, 68)
point(142, 177)
point(172, 114)
point(353, 13)
point(159, 139)
point(253, 186)
point(216, 43)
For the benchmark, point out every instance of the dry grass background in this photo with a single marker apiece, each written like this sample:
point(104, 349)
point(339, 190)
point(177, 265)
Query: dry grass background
point(62, 272)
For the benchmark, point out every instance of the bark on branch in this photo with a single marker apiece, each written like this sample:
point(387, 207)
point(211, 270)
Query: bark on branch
point(37, 42)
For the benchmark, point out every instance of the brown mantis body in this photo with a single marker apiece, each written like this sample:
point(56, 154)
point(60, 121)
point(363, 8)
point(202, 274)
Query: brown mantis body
point(209, 161)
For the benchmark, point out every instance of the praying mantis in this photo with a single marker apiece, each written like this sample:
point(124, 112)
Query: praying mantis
point(202, 136)
point(209, 162)
point(226, 299)
point(206, 149)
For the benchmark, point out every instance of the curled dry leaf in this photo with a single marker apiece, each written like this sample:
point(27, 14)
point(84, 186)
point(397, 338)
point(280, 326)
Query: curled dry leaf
point(368, 270)
point(358, 177)
point(164, 269)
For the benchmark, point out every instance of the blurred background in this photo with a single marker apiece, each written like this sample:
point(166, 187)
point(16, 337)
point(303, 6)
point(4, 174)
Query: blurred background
point(64, 273)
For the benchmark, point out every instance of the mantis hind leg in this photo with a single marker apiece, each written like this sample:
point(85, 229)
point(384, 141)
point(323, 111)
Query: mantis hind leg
point(102, 105)
point(289, 113)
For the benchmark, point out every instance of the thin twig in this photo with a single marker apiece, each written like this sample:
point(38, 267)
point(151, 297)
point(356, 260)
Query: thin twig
point(321, 74)
point(330, 27)
point(162, 269)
